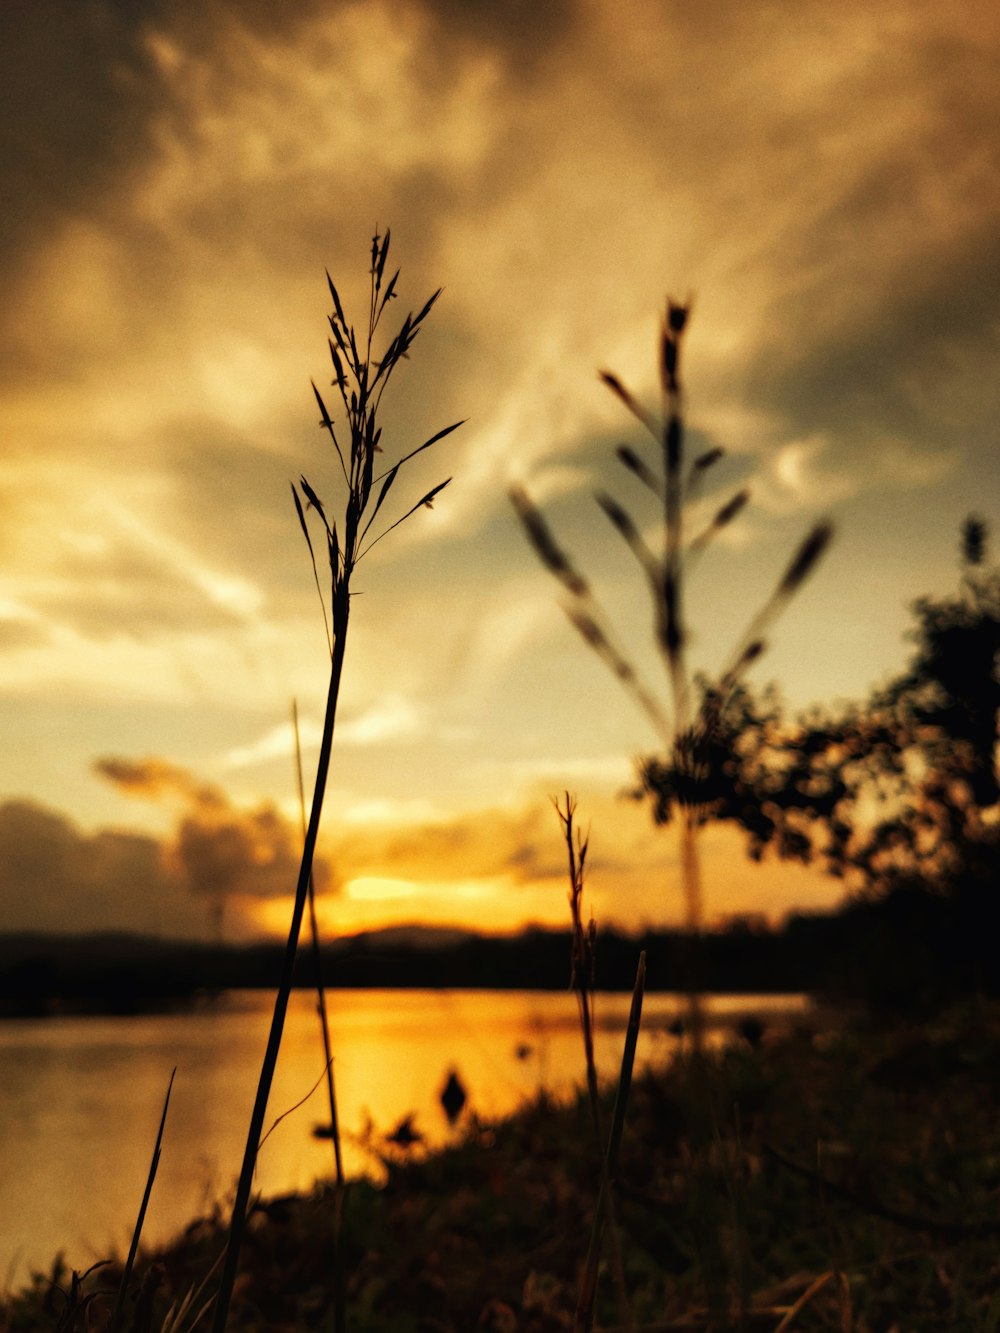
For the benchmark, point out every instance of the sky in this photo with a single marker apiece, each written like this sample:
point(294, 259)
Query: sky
point(823, 182)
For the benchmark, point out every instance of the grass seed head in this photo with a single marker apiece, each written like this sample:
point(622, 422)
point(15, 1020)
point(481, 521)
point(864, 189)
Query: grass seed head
point(806, 558)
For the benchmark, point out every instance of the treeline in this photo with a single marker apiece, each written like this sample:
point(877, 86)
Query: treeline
point(906, 951)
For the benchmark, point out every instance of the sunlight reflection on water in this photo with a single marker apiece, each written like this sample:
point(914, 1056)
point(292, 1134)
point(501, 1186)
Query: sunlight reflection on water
point(80, 1098)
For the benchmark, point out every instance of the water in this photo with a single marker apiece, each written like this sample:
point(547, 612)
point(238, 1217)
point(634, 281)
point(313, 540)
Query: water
point(80, 1098)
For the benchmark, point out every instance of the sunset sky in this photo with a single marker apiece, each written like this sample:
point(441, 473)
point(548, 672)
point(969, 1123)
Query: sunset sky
point(825, 181)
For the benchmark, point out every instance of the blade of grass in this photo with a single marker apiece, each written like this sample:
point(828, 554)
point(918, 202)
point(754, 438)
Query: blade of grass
point(345, 551)
point(312, 556)
point(812, 1290)
point(582, 975)
point(245, 1183)
point(180, 1310)
point(588, 1288)
point(339, 1275)
point(139, 1221)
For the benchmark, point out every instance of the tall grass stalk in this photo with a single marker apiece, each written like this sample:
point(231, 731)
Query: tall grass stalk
point(584, 1320)
point(583, 951)
point(116, 1314)
point(360, 378)
point(582, 982)
point(680, 727)
point(339, 1292)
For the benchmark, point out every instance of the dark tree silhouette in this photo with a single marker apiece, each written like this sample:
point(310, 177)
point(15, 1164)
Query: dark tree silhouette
point(898, 795)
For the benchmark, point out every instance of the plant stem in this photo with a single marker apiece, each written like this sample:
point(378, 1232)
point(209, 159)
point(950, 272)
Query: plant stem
point(588, 1290)
point(691, 882)
point(582, 981)
point(344, 548)
point(134, 1248)
point(238, 1222)
point(339, 1296)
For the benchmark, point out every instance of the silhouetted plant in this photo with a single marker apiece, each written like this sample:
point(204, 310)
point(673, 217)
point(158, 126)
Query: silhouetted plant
point(116, 1315)
point(346, 533)
point(583, 948)
point(339, 1181)
point(582, 981)
point(684, 732)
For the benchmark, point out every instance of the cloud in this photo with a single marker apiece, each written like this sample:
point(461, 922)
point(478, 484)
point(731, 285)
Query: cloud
point(55, 877)
point(393, 718)
point(518, 32)
point(157, 778)
point(70, 75)
point(21, 631)
point(104, 570)
point(218, 857)
point(388, 727)
point(223, 851)
point(502, 865)
point(276, 743)
point(752, 179)
point(494, 867)
point(521, 841)
point(482, 843)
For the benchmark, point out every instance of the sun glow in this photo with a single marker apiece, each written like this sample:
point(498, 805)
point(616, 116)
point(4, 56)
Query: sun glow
point(379, 888)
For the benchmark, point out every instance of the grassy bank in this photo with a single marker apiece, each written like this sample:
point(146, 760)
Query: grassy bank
point(845, 1181)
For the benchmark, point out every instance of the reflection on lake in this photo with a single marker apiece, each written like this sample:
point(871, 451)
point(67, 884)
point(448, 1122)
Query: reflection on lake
point(80, 1098)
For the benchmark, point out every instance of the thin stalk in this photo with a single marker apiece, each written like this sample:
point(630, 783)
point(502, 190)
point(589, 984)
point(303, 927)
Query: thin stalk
point(321, 1007)
point(584, 1321)
point(675, 647)
point(355, 387)
point(139, 1221)
point(691, 886)
point(339, 1286)
point(582, 982)
point(583, 960)
point(239, 1215)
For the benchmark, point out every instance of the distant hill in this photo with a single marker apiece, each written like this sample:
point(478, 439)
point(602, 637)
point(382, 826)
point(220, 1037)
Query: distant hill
point(124, 973)
point(898, 953)
point(413, 935)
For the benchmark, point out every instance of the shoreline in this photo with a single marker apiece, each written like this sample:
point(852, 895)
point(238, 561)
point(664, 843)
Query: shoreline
point(723, 1200)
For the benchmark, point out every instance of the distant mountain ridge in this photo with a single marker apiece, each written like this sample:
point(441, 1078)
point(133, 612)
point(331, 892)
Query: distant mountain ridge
point(907, 952)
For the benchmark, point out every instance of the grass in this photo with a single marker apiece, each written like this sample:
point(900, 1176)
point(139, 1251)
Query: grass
point(123, 1289)
point(854, 1174)
point(360, 378)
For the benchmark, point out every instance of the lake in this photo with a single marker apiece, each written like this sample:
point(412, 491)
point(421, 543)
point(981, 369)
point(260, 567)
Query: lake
point(81, 1098)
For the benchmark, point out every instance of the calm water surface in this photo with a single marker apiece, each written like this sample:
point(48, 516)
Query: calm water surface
point(80, 1098)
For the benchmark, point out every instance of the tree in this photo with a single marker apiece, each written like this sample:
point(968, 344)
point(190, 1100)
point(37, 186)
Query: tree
point(900, 792)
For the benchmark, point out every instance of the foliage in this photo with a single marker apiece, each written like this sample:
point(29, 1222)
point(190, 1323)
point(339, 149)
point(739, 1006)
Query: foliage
point(902, 788)
point(898, 795)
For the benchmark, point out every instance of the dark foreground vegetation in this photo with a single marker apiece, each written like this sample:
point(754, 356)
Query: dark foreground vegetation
point(848, 1180)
